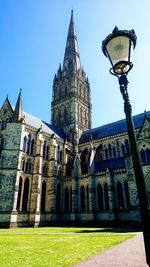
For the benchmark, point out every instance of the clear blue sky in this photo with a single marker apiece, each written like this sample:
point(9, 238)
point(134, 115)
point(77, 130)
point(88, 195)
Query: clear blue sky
point(32, 42)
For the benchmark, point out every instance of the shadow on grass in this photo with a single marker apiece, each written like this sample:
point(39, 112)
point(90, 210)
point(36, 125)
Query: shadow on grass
point(108, 230)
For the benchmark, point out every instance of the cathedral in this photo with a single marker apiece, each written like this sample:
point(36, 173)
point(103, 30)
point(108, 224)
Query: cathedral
point(66, 171)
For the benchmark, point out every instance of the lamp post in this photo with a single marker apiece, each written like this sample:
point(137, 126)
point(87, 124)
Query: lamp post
point(118, 47)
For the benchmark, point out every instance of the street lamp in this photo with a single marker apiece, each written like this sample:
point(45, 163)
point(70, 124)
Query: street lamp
point(118, 47)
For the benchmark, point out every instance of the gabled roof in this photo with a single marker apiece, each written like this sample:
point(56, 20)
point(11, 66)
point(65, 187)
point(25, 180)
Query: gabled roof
point(7, 103)
point(146, 119)
point(37, 123)
point(112, 128)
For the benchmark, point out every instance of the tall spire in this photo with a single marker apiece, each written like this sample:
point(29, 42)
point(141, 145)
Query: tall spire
point(17, 116)
point(71, 59)
point(71, 100)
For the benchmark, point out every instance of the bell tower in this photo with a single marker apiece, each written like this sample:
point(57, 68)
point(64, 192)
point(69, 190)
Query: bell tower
point(71, 99)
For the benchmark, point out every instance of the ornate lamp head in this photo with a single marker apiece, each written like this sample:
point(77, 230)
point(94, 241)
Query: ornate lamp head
point(118, 47)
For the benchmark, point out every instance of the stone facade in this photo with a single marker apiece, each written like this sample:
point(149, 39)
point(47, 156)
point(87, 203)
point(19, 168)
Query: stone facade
point(66, 171)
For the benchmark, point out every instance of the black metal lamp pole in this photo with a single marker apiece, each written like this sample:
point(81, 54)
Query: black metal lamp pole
point(121, 69)
point(139, 175)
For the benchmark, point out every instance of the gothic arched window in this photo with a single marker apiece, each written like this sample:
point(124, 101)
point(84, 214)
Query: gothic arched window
point(148, 155)
point(30, 167)
point(82, 195)
point(47, 152)
point(123, 149)
point(32, 147)
point(106, 197)
point(127, 146)
point(24, 144)
point(23, 165)
point(3, 125)
point(1, 144)
point(84, 161)
point(109, 150)
point(57, 153)
point(143, 156)
point(80, 89)
point(70, 198)
point(19, 194)
point(25, 195)
point(121, 204)
point(87, 197)
point(66, 199)
point(80, 115)
point(114, 152)
point(100, 200)
point(69, 166)
point(28, 145)
point(106, 153)
point(59, 172)
point(27, 166)
point(127, 196)
point(58, 198)
point(60, 155)
point(44, 150)
point(45, 169)
point(83, 117)
point(43, 196)
point(99, 153)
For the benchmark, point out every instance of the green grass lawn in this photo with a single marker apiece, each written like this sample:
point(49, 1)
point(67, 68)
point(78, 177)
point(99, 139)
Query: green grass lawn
point(55, 246)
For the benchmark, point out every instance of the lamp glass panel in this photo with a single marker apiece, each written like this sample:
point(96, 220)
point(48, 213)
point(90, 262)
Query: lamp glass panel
point(118, 49)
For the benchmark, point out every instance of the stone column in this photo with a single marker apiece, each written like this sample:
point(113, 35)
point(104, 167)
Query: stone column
point(51, 185)
point(92, 195)
point(111, 195)
point(77, 199)
point(39, 177)
point(73, 195)
point(16, 191)
point(76, 188)
point(134, 201)
point(13, 217)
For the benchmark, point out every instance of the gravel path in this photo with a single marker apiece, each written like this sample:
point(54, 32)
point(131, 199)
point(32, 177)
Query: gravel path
point(129, 253)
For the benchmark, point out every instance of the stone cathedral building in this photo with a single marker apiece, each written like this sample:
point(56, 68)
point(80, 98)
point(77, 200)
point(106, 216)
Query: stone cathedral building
point(66, 171)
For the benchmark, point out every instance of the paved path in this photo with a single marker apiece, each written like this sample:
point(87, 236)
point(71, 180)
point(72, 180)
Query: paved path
point(130, 253)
